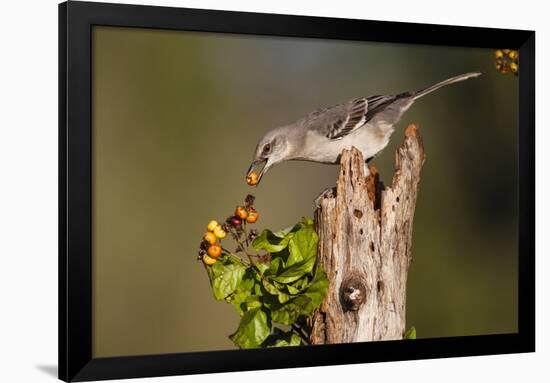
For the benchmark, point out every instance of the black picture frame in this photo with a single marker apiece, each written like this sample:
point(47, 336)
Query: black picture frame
point(76, 20)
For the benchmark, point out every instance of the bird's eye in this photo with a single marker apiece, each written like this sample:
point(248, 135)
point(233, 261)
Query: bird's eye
point(267, 148)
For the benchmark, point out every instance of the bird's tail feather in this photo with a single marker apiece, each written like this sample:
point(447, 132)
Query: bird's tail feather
point(449, 81)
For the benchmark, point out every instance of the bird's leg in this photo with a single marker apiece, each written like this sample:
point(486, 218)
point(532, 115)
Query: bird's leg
point(327, 193)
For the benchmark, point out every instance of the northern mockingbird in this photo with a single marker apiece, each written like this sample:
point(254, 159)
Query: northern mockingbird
point(366, 123)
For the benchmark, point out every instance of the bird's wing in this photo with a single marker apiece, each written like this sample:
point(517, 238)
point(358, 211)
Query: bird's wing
point(379, 103)
point(338, 121)
point(342, 119)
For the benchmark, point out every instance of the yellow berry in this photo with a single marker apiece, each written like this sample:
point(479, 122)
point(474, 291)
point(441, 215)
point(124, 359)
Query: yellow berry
point(210, 237)
point(498, 54)
point(513, 55)
point(208, 260)
point(212, 225)
point(514, 67)
point(219, 232)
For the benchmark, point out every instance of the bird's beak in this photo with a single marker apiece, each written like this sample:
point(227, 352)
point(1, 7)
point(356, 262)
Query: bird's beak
point(264, 163)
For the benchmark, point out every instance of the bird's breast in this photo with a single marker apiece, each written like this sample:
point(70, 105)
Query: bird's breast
point(368, 139)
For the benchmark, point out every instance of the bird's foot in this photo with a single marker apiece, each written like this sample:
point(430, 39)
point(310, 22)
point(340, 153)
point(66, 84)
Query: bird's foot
point(327, 193)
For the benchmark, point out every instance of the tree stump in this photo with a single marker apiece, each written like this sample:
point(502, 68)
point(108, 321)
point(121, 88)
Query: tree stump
point(365, 237)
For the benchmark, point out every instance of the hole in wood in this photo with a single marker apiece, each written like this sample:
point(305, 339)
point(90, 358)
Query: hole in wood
point(358, 213)
point(361, 231)
point(372, 246)
point(352, 293)
point(379, 286)
point(397, 199)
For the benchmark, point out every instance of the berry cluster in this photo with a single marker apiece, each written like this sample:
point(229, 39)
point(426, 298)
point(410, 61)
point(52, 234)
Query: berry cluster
point(507, 60)
point(210, 249)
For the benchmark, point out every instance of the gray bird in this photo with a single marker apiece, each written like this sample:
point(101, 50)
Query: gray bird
point(366, 123)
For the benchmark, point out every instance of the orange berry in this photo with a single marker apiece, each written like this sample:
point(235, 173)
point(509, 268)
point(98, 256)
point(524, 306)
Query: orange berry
point(215, 251)
point(210, 237)
point(252, 178)
point(241, 212)
point(252, 216)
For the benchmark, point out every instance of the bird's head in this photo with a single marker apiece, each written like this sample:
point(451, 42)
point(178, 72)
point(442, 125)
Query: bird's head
point(271, 149)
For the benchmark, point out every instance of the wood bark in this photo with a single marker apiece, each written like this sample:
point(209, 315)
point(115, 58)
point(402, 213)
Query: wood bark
point(365, 237)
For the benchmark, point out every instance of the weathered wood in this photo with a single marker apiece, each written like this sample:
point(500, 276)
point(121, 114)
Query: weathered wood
point(365, 248)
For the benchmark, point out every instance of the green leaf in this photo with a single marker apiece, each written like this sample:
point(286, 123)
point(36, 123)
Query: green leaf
point(270, 242)
point(250, 277)
point(289, 312)
point(291, 229)
point(238, 299)
point(293, 290)
point(294, 340)
point(218, 268)
point(302, 246)
point(306, 222)
point(226, 280)
point(296, 272)
point(252, 302)
point(411, 333)
point(301, 284)
point(258, 289)
point(298, 286)
point(262, 267)
point(276, 266)
point(302, 256)
point(273, 290)
point(279, 338)
point(215, 270)
point(317, 290)
point(244, 290)
point(253, 329)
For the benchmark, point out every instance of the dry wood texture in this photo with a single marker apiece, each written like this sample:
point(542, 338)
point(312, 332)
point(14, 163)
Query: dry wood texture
point(365, 236)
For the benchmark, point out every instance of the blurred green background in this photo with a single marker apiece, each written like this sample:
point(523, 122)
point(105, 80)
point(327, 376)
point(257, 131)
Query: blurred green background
point(176, 117)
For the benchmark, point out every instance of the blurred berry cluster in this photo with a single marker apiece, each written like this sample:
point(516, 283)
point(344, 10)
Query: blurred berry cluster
point(507, 60)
